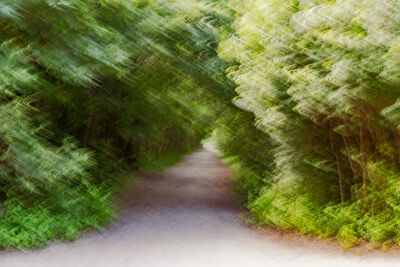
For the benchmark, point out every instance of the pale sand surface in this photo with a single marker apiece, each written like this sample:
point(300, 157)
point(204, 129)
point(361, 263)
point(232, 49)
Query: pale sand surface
point(186, 216)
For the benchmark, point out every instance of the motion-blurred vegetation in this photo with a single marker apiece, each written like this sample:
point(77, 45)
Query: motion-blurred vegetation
point(93, 89)
point(322, 80)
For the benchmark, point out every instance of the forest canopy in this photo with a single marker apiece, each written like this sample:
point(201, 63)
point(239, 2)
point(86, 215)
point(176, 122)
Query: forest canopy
point(92, 90)
point(321, 78)
point(301, 97)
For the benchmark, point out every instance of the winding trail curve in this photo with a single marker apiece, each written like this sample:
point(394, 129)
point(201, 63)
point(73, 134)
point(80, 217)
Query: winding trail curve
point(186, 216)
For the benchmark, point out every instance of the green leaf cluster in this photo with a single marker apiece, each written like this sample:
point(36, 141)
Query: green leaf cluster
point(321, 78)
point(91, 90)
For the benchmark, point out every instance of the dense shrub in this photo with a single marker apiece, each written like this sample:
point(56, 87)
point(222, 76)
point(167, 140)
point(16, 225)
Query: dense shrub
point(94, 89)
point(91, 89)
point(246, 149)
point(321, 78)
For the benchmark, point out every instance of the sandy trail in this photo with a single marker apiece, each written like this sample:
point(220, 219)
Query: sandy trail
point(186, 216)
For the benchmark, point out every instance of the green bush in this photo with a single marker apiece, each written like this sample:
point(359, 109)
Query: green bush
point(321, 78)
point(91, 90)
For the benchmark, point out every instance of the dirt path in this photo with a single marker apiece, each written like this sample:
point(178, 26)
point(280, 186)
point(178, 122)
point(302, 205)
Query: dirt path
point(186, 217)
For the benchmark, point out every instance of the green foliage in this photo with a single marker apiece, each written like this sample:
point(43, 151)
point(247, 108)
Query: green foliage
point(321, 78)
point(94, 89)
point(246, 150)
point(90, 91)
